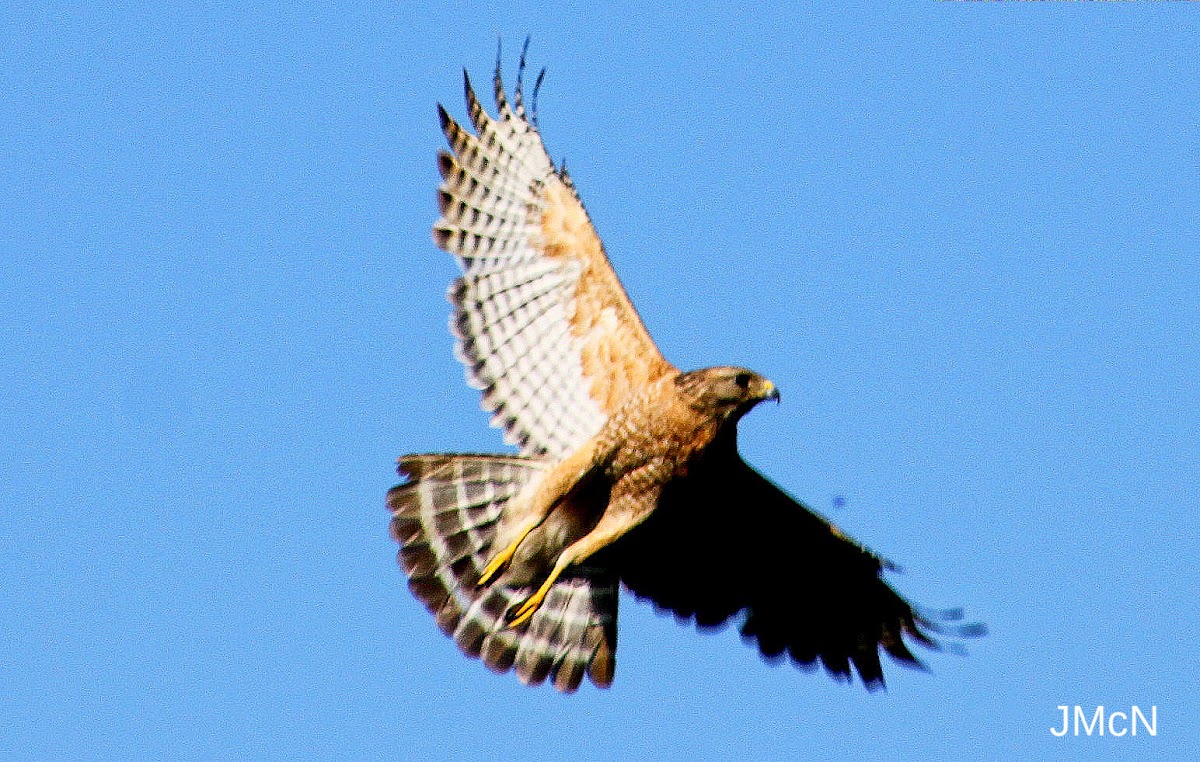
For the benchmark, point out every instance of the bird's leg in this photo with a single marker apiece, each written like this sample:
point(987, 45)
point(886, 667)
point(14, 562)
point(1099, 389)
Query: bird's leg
point(535, 504)
point(623, 513)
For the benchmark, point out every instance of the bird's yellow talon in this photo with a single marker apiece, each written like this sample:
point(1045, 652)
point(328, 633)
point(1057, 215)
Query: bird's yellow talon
point(501, 560)
point(524, 614)
point(533, 602)
point(498, 563)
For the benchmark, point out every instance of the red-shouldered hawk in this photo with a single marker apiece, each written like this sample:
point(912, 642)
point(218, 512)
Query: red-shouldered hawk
point(628, 469)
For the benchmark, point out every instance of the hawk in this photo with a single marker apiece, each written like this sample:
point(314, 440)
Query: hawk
point(628, 471)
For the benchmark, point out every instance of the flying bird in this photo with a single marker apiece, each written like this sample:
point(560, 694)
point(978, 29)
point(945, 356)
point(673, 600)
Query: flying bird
point(628, 471)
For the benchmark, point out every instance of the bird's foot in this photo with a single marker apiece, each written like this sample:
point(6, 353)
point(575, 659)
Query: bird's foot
point(527, 609)
point(497, 565)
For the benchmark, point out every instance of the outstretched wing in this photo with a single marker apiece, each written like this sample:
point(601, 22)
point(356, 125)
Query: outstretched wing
point(543, 325)
point(726, 540)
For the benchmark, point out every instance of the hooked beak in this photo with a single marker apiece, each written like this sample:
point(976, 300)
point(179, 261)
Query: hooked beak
point(770, 391)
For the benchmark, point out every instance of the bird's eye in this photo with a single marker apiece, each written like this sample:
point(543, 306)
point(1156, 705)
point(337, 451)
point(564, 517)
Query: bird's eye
point(742, 380)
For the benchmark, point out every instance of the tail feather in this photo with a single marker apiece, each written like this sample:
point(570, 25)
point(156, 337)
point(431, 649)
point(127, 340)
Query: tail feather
point(444, 517)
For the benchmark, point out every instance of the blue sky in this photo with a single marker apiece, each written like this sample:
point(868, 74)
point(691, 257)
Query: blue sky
point(961, 238)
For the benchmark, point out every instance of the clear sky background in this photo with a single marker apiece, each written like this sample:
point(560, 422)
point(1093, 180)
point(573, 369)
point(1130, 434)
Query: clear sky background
point(962, 238)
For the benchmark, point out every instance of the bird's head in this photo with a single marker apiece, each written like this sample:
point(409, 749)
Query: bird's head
point(724, 391)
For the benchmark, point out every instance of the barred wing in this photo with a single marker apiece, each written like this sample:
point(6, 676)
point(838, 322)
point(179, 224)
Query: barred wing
point(542, 324)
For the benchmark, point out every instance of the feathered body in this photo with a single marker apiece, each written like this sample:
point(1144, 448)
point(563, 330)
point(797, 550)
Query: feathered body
point(628, 469)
